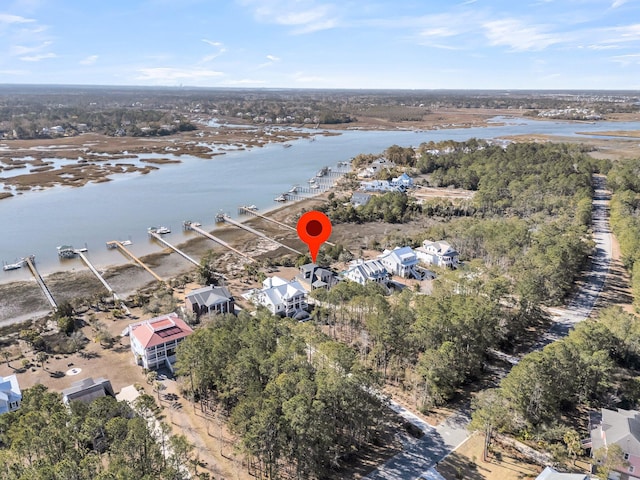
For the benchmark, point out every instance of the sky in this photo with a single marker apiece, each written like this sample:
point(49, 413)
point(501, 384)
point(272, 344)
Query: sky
point(363, 44)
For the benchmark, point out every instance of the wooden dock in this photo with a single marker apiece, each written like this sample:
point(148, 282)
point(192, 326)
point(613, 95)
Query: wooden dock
point(191, 226)
point(123, 249)
point(103, 281)
point(247, 211)
point(228, 219)
point(159, 238)
point(30, 261)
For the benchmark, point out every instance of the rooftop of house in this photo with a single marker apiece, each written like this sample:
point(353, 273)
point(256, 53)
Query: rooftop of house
point(10, 389)
point(403, 255)
point(551, 474)
point(159, 330)
point(621, 427)
point(87, 390)
point(209, 295)
point(369, 268)
point(440, 247)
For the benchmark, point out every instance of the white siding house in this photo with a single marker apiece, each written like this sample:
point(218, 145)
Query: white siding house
point(288, 299)
point(401, 261)
point(10, 394)
point(438, 253)
point(361, 272)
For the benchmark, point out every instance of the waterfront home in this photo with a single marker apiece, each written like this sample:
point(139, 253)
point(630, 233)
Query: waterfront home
point(10, 394)
point(404, 181)
point(552, 474)
point(317, 277)
point(617, 427)
point(210, 299)
point(280, 297)
point(362, 272)
point(439, 253)
point(401, 261)
point(87, 390)
point(379, 186)
point(154, 341)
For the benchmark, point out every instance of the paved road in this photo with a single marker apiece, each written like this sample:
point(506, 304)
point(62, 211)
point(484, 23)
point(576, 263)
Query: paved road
point(438, 442)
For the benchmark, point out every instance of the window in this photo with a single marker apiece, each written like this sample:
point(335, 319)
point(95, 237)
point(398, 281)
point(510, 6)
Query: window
point(626, 456)
point(631, 469)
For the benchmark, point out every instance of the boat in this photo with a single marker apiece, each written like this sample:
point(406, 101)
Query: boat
point(315, 186)
point(66, 251)
point(253, 208)
point(322, 172)
point(126, 243)
point(281, 198)
point(312, 180)
point(160, 230)
point(13, 266)
point(196, 224)
point(294, 189)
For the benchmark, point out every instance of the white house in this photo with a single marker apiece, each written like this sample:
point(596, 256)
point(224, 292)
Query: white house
point(440, 254)
point(10, 394)
point(404, 181)
point(154, 341)
point(87, 390)
point(288, 299)
point(379, 186)
point(361, 272)
point(622, 428)
point(401, 261)
point(552, 474)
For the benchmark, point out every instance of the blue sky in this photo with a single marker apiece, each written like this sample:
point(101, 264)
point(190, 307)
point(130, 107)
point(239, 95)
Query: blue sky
point(476, 44)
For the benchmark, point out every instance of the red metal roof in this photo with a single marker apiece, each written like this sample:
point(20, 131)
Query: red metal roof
point(159, 330)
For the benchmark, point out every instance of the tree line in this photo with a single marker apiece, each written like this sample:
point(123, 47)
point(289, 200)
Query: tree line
point(298, 403)
point(102, 440)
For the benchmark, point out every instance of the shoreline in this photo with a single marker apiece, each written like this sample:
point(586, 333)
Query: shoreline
point(22, 301)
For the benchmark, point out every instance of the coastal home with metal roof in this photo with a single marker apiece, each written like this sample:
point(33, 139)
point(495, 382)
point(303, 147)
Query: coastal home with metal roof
point(280, 297)
point(87, 390)
point(441, 254)
point(154, 341)
point(362, 272)
point(10, 394)
point(210, 299)
point(622, 428)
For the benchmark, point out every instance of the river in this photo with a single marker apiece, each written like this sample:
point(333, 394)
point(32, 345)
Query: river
point(197, 189)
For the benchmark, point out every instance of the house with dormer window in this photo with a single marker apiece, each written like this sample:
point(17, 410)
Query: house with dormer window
point(154, 341)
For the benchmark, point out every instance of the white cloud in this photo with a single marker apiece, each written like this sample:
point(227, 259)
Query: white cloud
point(618, 3)
point(271, 60)
point(17, 50)
point(212, 56)
point(519, 36)
point(90, 60)
point(171, 75)
point(626, 60)
point(38, 57)
point(304, 16)
point(7, 18)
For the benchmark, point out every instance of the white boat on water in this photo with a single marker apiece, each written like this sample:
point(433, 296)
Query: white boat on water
point(160, 230)
point(126, 243)
point(281, 198)
point(13, 266)
point(315, 186)
point(253, 208)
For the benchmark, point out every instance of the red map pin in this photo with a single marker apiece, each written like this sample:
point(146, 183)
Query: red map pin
point(314, 228)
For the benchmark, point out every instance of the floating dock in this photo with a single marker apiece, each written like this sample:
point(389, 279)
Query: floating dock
point(192, 226)
point(30, 261)
point(248, 211)
point(227, 219)
point(123, 249)
point(103, 281)
point(175, 249)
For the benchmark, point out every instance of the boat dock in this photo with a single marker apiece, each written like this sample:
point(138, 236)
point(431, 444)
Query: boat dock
point(192, 226)
point(225, 218)
point(175, 249)
point(245, 210)
point(103, 281)
point(123, 249)
point(30, 261)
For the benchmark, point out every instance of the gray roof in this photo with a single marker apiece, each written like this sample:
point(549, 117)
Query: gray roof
point(209, 296)
point(621, 427)
point(551, 474)
point(87, 390)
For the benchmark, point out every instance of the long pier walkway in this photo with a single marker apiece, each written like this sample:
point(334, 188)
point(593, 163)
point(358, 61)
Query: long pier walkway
point(228, 219)
point(191, 226)
point(159, 238)
point(249, 211)
point(103, 281)
point(123, 249)
point(30, 261)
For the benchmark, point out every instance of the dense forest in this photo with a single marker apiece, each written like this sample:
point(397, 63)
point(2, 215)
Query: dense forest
point(297, 401)
point(103, 440)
